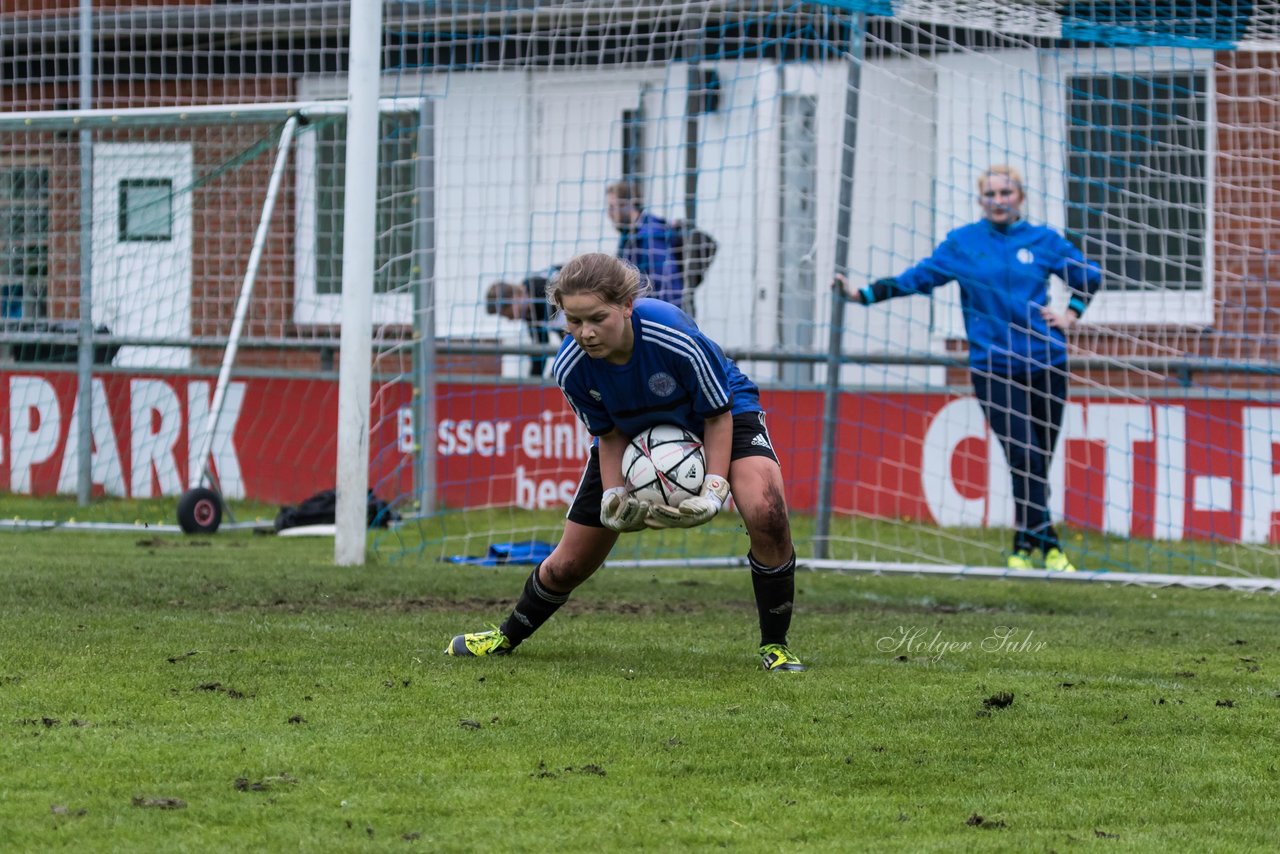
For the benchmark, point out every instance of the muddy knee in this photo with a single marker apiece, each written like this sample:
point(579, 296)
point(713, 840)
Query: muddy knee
point(769, 520)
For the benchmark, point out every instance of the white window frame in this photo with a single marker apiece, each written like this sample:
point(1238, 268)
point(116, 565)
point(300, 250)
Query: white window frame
point(972, 133)
point(311, 308)
point(1181, 308)
point(32, 289)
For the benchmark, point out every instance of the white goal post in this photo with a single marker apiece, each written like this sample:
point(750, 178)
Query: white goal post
point(360, 226)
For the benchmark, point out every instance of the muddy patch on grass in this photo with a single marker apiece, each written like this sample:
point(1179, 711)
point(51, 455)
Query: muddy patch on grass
point(544, 773)
point(160, 803)
point(975, 820)
point(62, 809)
point(997, 701)
point(219, 688)
point(588, 602)
point(266, 784)
point(172, 543)
point(583, 604)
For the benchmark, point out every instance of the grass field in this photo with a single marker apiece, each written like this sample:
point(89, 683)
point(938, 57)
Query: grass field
point(239, 693)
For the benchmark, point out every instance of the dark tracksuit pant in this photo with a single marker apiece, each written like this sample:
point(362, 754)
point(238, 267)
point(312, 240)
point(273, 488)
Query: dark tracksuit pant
point(1025, 411)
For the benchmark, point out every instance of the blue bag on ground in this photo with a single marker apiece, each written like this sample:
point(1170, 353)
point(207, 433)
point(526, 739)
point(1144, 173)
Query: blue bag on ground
point(526, 551)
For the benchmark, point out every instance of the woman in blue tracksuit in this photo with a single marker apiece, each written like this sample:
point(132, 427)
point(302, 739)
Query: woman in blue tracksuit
point(1017, 341)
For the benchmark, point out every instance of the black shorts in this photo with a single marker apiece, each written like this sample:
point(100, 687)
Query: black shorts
point(750, 439)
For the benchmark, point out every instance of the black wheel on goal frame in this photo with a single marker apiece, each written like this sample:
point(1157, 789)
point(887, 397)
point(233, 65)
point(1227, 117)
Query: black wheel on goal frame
point(200, 511)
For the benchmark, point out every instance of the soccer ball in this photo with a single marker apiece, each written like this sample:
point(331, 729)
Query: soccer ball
point(664, 465)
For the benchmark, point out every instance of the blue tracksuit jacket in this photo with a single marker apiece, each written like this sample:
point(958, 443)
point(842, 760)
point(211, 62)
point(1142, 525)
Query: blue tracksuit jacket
point(1004, 281)
point(648, 248)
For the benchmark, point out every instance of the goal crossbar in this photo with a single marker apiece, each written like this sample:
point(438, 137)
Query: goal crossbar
point(207, 114)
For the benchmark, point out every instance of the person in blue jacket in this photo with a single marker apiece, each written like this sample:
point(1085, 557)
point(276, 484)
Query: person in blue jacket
point(1017, 340)
point(645, 242)
point(632, 363)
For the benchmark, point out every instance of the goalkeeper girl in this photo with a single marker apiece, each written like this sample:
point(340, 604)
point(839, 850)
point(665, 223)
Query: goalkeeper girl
point(1017, 341)
point(632, 363)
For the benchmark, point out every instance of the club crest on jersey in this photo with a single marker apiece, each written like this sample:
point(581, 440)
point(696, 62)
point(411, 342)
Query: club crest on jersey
point(662, 384)
point(1025, 255)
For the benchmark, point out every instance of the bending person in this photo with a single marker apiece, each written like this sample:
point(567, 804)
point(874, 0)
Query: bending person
point(526, 301)
point(632, 363)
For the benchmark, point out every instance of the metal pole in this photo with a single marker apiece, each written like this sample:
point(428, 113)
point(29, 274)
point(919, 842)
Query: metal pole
point(844, 218)
point(84, 356)
point(199, 472)
point(359, 231)
point(693, 108)
point(424, 374)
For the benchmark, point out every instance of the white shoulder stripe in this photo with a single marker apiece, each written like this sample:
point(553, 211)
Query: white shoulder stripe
point(578, 412)
point(711, 390)
point(677, 336)
point(683, 344)
point(565, 361)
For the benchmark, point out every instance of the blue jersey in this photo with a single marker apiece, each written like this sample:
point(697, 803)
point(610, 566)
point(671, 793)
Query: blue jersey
point(1004, 282)
point(676, 375)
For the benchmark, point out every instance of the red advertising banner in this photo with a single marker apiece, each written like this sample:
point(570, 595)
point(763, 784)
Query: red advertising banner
point(1166, 469)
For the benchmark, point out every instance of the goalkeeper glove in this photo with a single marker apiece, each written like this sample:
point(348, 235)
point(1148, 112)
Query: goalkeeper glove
point(692, 511)
point(622, 512)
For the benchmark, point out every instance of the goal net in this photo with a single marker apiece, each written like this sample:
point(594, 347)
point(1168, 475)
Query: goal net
point(143, 222)
point(807, 139)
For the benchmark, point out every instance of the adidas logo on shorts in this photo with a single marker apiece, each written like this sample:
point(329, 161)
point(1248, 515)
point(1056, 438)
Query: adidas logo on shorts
point(760, 441)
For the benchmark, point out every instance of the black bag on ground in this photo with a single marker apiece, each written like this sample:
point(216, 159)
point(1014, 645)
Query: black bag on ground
point(694, 250)
point(321, 509)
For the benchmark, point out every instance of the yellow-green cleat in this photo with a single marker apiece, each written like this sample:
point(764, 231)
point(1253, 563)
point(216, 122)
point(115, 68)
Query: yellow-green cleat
point(1021, 559)
point(480, 644)
point(775, 658)
point(1056, 561)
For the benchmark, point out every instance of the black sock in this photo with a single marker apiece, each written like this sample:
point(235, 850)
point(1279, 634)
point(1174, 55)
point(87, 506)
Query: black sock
point(535, 607)
point(775, 588)
point(1044, 539)
point(1049, 540)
